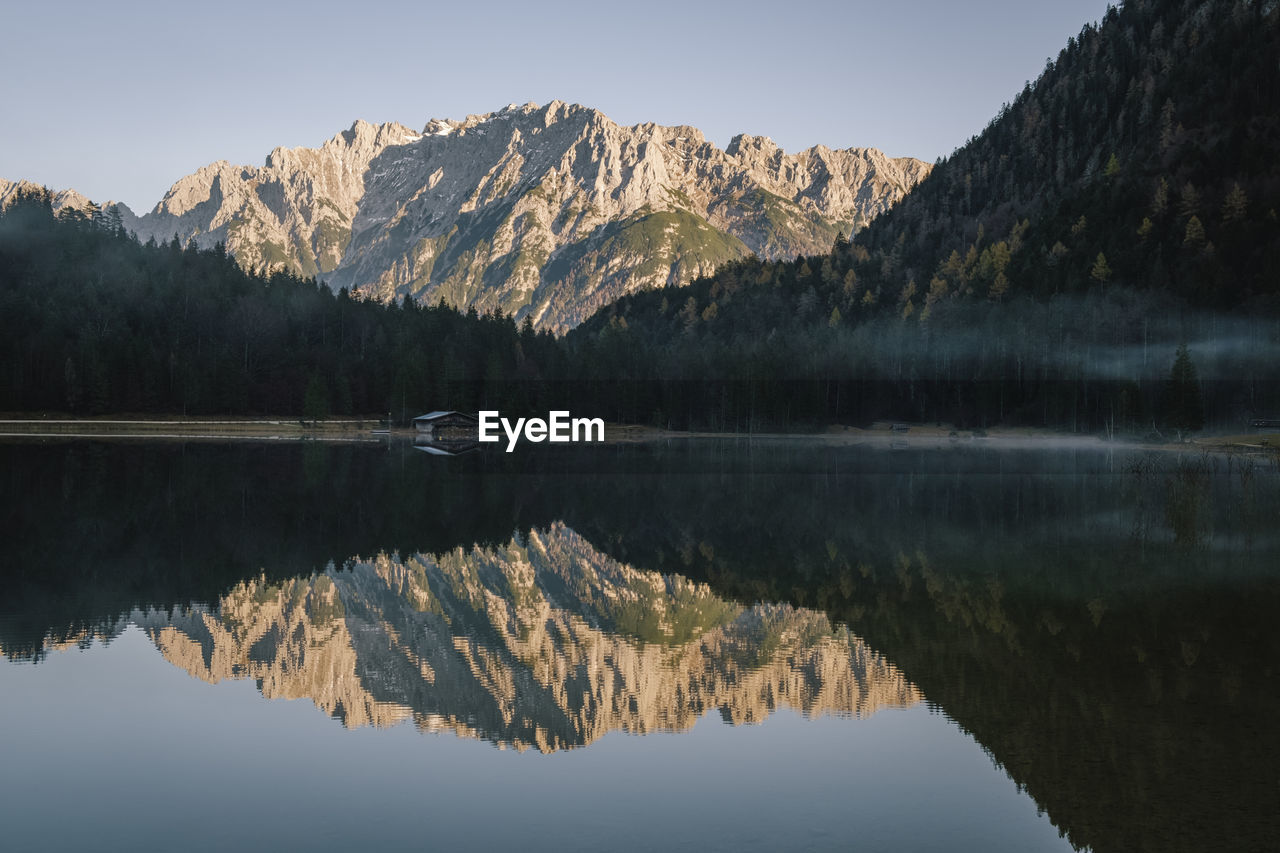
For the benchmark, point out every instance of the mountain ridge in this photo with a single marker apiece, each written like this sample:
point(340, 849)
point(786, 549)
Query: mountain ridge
point(65, 198)
point(543, 211)
point(1141, 160)
point(541, 643)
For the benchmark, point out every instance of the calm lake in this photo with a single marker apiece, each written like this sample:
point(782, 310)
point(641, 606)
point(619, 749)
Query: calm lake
point(710, 645)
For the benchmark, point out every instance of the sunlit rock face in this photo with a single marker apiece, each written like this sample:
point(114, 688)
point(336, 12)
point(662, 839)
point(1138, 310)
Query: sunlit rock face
point(60, 200)
point(544, 643)
point(542, 211)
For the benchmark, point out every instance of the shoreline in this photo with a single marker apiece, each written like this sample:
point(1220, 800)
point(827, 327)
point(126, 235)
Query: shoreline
point(372, 430)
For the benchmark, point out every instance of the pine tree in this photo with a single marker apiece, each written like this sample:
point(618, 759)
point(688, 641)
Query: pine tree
point(1236, 205)
point(908, 291)
point(1167, 137)
point(689, 315)
point(1185, 409)
point(1189, 203)
point(1195, 236)
point(1101, 272)
point(999, 287)
point(828, 272)
point(1160, 198)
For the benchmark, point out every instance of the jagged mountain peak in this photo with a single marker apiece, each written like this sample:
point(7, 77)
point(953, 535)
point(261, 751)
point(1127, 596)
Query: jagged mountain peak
point(67, 198)
point(548, 211)
point(746, 142)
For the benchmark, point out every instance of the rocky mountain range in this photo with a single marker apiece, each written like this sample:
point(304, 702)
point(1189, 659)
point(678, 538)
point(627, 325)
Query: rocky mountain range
point(542, 211)
point(543, 643)
point(61, 198)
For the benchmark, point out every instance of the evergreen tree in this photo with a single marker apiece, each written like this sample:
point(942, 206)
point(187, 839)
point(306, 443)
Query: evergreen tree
point(1100, 272)
point(1194, 236)
point(1236, 204)
point(1160, 198)
point(1184, 406)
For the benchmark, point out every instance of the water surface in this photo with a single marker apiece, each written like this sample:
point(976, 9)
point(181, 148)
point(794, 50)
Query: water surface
point(722, 645)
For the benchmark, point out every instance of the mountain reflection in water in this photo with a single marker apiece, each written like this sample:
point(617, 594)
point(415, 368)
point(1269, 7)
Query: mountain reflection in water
point(1100, 622)
point(544, 643)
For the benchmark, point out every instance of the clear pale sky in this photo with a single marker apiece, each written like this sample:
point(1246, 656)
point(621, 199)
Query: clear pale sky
point(120, 99)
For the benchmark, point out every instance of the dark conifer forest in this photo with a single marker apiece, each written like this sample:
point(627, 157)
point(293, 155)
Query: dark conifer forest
point(1105, 255)
point(94, 323)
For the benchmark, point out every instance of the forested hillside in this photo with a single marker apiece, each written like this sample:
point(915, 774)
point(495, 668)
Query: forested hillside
point(1145, 157)
point(1123, 204)
point(91, 321)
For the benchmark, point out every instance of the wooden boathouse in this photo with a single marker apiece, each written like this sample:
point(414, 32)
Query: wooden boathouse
point(443, 426)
